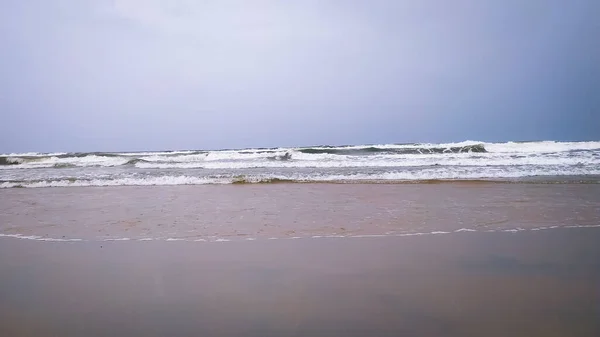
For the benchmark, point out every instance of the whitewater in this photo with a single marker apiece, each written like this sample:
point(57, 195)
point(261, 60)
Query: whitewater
point(544, 161)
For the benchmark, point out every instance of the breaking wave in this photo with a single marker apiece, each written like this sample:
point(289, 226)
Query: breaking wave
point(469, 160)
point(463, 154)
point(429, 175)
point(477, 148)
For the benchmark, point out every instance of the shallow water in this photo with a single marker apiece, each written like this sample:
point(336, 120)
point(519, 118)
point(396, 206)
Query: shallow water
point(247, 212)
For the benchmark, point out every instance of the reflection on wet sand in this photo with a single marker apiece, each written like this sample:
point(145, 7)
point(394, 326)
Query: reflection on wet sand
point(474, 284)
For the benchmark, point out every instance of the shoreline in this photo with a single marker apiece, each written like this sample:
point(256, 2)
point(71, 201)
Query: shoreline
point(263, 211)
point(590, 179)
point(211, 240)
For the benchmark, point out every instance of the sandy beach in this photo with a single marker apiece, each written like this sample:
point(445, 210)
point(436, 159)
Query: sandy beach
point(473, 284)
point(403, 265)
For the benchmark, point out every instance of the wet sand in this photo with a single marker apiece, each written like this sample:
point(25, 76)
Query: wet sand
point(541, 283)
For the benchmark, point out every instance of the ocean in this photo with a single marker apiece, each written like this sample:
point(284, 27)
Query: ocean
point(544, 161)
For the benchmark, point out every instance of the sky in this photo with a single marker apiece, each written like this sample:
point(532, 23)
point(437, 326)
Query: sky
point(124, 75)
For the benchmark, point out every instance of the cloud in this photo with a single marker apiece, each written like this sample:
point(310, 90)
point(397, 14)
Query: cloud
point(230, 73)
point(256, 21)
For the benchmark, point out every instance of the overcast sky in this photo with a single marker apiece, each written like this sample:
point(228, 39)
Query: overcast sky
point(78, 75)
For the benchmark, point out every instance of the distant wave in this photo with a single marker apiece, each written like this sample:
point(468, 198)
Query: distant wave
point(9, 161)
point(464, 153)
point(135, 161)
point(478, 148)
point(431, 175)
point(468, 160)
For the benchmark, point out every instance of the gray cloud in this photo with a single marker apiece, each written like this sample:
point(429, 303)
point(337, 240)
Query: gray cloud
point(133, 74)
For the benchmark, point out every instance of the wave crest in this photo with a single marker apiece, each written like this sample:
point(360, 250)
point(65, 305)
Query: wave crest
point(477, 148)
point(468, 153)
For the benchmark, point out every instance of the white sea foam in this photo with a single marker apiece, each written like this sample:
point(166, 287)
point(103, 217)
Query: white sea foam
point(217, 239)
point(58, 240)
point(433, 173)
point(582, 226)
point(513, 230)
point(403, 146)
point(411, 234)
point(20, 236)
point(511, 153)
point(47, 162)
point(38, 238)
point(541, 147)
point(343, 161)
point(508, 147)
point(183, 158)
point(158, 153)
point(387, 162)
point(146, 181)
point(32, 154)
